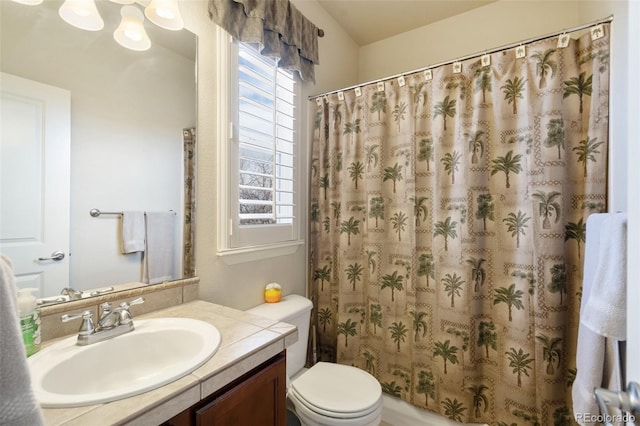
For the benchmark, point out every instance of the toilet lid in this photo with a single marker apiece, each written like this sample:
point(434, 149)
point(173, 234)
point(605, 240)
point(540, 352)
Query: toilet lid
point(338, 389)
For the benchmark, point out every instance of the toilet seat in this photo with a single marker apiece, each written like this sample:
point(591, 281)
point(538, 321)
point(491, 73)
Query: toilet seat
point(294, 396)
point(340, 393)
point(309, 417)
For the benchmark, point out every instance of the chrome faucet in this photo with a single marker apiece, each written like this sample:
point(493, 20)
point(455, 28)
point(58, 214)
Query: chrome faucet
point(112, 323)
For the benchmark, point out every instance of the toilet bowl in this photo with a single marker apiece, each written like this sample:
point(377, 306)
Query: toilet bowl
point(326, 394)
point(333, 394)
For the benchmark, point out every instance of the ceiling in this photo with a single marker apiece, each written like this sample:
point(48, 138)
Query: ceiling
point(368, 21)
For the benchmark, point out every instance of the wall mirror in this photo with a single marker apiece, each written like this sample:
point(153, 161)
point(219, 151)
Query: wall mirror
point(128, 110)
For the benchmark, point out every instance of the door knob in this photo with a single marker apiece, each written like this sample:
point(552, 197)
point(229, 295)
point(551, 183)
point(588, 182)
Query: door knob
point(55, 256)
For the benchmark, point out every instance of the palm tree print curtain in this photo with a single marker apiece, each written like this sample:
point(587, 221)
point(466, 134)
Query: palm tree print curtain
point(448, 227)
point(189, 225)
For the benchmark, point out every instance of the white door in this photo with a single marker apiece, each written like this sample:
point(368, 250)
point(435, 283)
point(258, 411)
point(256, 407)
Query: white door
point(35, 182)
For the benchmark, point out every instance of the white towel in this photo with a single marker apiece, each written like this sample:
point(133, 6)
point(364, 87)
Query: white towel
point(18, 405)
point(159, 256)
point(133, 231)
point(597, 357)
point(605, 312)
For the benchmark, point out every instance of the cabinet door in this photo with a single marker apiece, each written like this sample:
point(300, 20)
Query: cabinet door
point(258, 400)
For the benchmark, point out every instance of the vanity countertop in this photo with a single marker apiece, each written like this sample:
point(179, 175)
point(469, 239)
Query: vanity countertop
point(247, 341)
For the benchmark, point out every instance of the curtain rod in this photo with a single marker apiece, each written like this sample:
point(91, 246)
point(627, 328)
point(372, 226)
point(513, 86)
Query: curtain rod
point(474, 55)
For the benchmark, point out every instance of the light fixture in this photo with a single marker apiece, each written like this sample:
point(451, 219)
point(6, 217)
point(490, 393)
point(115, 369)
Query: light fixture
point(165, 14)
point(29, 2)
point(130, 33)
point(82, 14)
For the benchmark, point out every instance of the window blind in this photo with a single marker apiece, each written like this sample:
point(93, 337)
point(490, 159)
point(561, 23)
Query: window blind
point(266, 123)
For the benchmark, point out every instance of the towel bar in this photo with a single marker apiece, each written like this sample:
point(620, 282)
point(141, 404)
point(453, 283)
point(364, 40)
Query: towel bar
point(97, 212)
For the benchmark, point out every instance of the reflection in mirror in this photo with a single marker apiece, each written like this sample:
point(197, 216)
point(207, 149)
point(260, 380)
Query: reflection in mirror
point(127, 113)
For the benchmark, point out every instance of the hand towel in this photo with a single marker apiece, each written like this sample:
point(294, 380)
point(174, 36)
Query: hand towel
point(159, 256)
point(18, 405)
point(606, 313)
point(597, 357)
point(133, 231)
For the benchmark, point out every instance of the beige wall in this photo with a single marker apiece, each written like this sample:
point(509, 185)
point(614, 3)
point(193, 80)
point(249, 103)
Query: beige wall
point(338, 53)
point(241, 286)
point(488, 27)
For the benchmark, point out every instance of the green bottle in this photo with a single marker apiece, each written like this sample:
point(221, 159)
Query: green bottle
point(29, 320)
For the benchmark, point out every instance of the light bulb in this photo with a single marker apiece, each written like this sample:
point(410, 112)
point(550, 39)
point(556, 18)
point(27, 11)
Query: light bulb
point(130, 33)
point(82, 14)
point(165, 14)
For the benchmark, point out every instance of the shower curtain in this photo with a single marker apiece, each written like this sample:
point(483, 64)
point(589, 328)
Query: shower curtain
point(447, 217)
point(189, 225)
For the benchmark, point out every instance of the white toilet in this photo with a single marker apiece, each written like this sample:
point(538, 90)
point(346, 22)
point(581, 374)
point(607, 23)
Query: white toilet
point(326, 394)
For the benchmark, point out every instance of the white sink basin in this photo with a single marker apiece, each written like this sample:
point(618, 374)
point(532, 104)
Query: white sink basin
point(157, 352)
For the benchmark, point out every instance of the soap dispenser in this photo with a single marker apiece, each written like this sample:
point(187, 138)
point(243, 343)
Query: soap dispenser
point(29, 320)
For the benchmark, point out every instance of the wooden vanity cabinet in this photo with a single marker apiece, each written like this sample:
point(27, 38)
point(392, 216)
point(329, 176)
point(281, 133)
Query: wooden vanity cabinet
point(256, 398)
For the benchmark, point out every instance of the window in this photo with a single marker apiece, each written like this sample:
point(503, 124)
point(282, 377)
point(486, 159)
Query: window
point(265, 137)
point(261, 173)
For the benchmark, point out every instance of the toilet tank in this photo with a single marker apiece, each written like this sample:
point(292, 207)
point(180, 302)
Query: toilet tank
point(296, 310)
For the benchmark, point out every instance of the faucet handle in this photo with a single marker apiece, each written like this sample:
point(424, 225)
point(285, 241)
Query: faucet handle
point(71, 317)
point(71, 293)
point(125, 315)
point(86, 327)
point(127, 305)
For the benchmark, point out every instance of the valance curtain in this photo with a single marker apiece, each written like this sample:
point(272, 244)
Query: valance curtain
point(448, 228)
point(279, 29)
